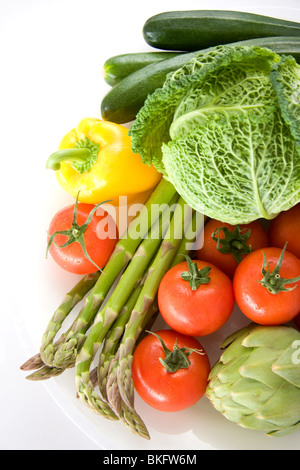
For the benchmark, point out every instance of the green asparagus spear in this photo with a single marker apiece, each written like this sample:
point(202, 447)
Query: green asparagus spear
point(160, 265)
point(71, 299)
point(188, 242)
point(119, 382)
point(121, 396)
point(111, 342)
point(128, 415)
point(108, 314)
point(33, 363)
point(134, 422)
point(45, 373)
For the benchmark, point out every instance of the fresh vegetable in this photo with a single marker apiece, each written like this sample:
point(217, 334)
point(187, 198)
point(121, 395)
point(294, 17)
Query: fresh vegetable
point(256, 382)
point(197, 29)
point(75, 241)
point(217, 132)
point(112, 340)
point(123, 102)
point(170, 371)
point(96, 161)
point(285, 228)
point(225, 245)
point(120, 66)
point(267, 286)
point(195, 298)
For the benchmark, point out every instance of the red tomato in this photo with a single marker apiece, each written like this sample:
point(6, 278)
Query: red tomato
point(195, 312)
point(226, 261)
point(286, 228)
point(98, 246)
point(255, 300)
point(169, 391)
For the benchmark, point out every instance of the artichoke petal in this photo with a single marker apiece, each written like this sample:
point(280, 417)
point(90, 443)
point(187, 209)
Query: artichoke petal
point(284, 431)
point(287, 365)
point(232, 410)
point(214, 370)
point(221, 390)
point(238, 335)
point(250, 393)
point(230, 371)
point(258, 366)
point(275, 337)
point(257, 423)
point(236, 350)
point(283, 409)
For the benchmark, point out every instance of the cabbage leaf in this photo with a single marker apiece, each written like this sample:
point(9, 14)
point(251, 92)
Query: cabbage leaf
point(285, 78)
point(224, 129)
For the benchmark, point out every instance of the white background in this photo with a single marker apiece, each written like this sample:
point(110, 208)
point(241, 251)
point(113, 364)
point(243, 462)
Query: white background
point(52, 52)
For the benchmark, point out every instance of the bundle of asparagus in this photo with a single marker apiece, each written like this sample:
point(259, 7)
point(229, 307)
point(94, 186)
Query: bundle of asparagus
point(119, 304)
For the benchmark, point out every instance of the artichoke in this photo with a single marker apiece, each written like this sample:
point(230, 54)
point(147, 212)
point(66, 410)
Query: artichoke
point(256, 382)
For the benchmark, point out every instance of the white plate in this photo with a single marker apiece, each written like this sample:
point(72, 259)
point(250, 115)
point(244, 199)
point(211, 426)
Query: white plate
point(54, 61)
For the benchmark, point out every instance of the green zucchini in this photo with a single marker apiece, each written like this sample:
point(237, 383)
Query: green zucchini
point(199, 29)
point(123, 102)
point(119, 66)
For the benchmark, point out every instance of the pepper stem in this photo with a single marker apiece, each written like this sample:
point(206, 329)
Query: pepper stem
point(176, 359)
point(195, 276)
point(272, 281)
point(82, 156)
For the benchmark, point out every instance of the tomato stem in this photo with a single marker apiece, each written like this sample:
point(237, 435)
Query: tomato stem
point(272, 281)
point(195, 276)
point(234, 243)
point(176, 359)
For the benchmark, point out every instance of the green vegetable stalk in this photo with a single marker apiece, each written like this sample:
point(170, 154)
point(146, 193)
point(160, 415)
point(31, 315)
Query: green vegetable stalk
point(127, 414)
point(159, 267)
point(120, 392)
point(71, 299)
point(111, 342)
point(106, 317)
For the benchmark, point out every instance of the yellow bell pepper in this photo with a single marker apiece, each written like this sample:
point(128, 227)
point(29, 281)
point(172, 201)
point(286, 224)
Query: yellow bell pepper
point(96, 159)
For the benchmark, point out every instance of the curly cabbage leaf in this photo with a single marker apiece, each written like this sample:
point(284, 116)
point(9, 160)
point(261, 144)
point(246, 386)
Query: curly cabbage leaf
point(224, 129)
point(285, 78)
point(227, 171)
point(152, 125)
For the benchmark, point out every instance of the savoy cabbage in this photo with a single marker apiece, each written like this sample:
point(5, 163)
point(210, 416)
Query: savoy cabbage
point(224, 130)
